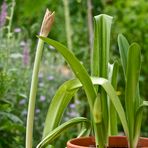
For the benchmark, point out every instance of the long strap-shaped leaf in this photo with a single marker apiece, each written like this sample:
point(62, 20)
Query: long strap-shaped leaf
point(123, 49)
point(82, 75)
point(112, 111)
point(113, 97)
point(138, 119)
point(100, 53)
point(77, 68)
point(132, 78)
point(58, 105)
point(57, 131)
point(136, 101)
point(100, 59)
point(75, 84)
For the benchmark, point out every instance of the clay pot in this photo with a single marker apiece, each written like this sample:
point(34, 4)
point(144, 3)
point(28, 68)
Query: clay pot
point(82, 142)
point(121, 141)
point(114, 142)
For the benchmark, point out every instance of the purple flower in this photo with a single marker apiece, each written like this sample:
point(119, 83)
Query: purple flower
point(3, 14)
point(17, 30)
point(37, 110)
point(42, 98)
point(25, 54)
point(72, 106)
point(50, 78)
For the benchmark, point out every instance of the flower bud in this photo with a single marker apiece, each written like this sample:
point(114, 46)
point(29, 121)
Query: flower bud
point(97, 110)
point(47, 23)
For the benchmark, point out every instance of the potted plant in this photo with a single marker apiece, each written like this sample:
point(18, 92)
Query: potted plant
point(100, 91)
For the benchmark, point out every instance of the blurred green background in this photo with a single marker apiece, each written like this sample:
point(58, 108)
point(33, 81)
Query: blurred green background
point(20, 22)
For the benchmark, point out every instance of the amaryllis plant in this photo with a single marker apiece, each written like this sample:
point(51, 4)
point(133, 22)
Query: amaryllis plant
point(99, 86)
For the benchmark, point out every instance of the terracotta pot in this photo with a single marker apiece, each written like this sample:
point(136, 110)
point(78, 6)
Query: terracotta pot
point(121, 141)
point(114, 142)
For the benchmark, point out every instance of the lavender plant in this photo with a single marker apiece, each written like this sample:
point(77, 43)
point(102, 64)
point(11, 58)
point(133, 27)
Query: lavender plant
point(11, 124)
point(3, 14)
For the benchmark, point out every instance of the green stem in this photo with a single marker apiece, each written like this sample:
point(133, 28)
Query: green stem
point(99, 135)
point(10, 20)
point(9, 33)
point(90, 23)
point(32, 97)
point(67, 24)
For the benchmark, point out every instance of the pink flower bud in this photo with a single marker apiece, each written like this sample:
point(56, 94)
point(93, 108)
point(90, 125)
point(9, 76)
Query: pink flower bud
point(47, 23)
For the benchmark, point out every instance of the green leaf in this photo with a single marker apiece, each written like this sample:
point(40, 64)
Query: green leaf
point(84, 78)
point(57, 131)
point(141, 107)
point(58, 104)
point(113, 113)
point(138, 120)
point(132, 102)
point(75, 84)
point(114, 99)
point(132, 79)
point(123, 49)
point(81, 73)
point(12, 117)
point(77, 68)
point(100, 59)
point(100, 53)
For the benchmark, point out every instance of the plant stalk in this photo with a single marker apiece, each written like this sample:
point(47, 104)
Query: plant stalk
point(90, 23)
point(67, 24)
point(45, 29)
point(10, 19)
point(32, 97)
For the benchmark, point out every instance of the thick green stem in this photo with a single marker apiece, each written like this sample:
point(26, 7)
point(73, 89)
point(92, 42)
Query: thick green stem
point(45, 29)
point(99, 135)
point(32, 97)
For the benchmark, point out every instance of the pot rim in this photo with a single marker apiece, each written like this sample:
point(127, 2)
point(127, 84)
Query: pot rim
point(143, 141)
point(71, 145)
